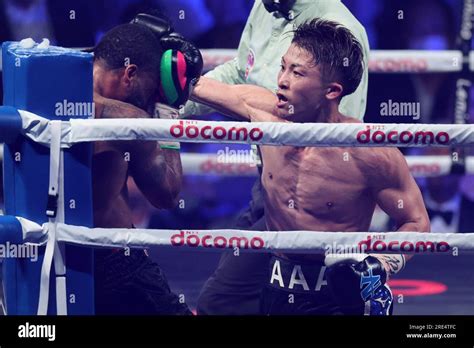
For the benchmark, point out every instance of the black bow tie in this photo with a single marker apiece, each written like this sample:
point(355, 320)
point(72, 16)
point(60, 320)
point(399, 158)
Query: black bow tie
point(446, 215)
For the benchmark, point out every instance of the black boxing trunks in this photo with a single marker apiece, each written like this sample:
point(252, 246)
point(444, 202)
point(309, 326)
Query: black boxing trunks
point(297, 288)
point(129, 283)
point(300, 288)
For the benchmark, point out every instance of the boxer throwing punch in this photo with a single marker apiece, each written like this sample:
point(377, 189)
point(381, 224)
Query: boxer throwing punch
point(235, 286)
point(332, 189)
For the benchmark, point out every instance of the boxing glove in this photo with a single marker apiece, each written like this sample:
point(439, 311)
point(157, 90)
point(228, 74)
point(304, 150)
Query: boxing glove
point(353, 283)
point(181, 63)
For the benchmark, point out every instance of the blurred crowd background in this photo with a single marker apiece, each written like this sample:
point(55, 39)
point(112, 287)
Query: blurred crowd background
point(214, 201)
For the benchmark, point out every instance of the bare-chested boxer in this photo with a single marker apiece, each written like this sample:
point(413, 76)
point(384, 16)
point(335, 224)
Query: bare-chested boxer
point(331, 189)
point(126, 65)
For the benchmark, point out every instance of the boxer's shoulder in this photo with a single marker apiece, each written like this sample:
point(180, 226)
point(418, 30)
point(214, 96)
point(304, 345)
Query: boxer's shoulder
point(112, 108)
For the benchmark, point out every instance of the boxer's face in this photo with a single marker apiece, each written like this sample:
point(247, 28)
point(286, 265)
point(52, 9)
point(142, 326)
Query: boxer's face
point(302, 94)
point(128, 84)
point(140, 87)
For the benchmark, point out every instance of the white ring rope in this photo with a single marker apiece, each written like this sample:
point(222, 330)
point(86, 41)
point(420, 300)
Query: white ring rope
point(380, 61)
point(236, 164)
point(259, 133)
point(307, 242)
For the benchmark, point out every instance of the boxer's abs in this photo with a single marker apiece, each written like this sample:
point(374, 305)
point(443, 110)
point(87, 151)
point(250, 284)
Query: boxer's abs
point(311, 190)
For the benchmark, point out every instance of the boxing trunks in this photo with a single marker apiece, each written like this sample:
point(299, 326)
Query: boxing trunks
point(132, 284)
point(300, 288)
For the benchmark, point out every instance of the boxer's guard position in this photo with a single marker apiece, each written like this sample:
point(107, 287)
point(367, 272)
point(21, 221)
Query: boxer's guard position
point(308, 188)
point(127, 84)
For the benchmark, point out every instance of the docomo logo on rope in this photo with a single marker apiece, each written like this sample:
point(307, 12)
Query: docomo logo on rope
point(213, 166)
point(421, 169)
point(191, 130)
point(398, 65)
point(193, 240)
point(380, 136)
point(215, 57)
point(376, 243)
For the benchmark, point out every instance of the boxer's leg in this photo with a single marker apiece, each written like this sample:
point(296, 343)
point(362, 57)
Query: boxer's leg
point(133, 285)
point(236, 285)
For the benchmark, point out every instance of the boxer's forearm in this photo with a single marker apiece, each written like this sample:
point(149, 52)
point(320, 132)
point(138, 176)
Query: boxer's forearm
point(173, 175)
point(221, 97)
point(421, 224)
point(157, 173)
point(228, 73)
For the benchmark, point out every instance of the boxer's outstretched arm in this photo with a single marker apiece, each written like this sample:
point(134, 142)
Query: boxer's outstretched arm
point(245, 102)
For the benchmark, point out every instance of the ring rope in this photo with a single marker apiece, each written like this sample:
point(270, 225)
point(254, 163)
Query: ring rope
point(74, 131)
point(245, 165)
point(306, 242)
point(380, 61)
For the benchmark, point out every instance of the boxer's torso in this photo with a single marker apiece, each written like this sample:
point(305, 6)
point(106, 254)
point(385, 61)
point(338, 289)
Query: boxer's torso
point(109, 177)
point(318, 189)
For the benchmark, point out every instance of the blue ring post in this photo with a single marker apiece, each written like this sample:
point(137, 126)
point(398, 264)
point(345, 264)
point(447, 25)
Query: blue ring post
point(54, 83)
point(10, 230)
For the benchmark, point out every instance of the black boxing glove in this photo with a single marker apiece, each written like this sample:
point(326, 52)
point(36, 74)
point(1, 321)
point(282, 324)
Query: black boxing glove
point(181, 63)
point(353, 283)
point(180, 69)
point(159, 26)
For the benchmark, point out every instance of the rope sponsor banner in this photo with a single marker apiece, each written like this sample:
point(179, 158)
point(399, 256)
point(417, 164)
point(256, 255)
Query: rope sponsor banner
point(304, 242)
point(211, 164)
point(75, 131)
point(380, 61)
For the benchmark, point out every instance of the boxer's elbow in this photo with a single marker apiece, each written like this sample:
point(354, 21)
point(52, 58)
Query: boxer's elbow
point(423, 223)
point(415, 223)
point(168, 196)
point(171, 199)
point(162, 190)
point(164, 200)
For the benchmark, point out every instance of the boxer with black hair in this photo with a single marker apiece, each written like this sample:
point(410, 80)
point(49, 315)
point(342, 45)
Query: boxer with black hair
point(332, 189)
point(126, 79)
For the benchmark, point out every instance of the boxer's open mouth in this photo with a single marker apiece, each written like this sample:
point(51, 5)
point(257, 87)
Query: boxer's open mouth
point(282, 100)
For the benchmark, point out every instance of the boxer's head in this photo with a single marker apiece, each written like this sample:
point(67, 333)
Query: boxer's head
point(323, 64)
point(126, 65)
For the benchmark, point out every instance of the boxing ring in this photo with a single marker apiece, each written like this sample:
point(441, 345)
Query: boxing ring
point(47, 166)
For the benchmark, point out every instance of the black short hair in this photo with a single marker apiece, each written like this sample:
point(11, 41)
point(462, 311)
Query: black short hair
point(335, 49)
point(130, 44)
